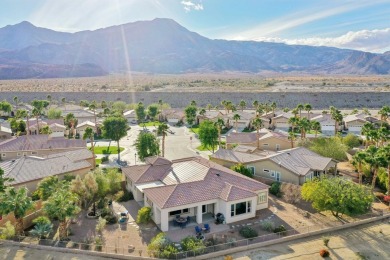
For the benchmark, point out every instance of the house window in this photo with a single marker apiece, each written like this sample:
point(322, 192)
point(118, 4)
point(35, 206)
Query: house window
point(178, 212)
point(252, 169)
point(272, 174)
point(186, 210)
point(265, 170)
point(240, 208)
point(261, 198)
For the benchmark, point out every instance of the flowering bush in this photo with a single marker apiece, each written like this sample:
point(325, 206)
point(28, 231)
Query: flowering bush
point(324, 253)
point(386, 198)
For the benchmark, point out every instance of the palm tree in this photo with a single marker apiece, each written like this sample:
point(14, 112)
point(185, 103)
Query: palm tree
point(305, 125)
point(257, 123)
point(236, 117)
point(255, 105)
point(89, 134)
point(16, 101)
point(386, 154)
point(367, 130)
point(209, 107)
point(160, 103)
point(242, 104)
point(300, 107)
point(273, 106)
point(193, 103)
point(375, 159)
point(92, 107)
point(286, 109)
point(384, 112)
point(202, 112)
point(62, 205)
point(267, 108)
point(291, 137)
point(162, 129)
point(16, 201)
point(358, 160)
point(337, 117)
point(383, 135)
point(316, 126)
point(63, 100)
point(36, 112)
point(48, 97)
point(219, 124)
point(293, 121)
point(295, 112)
point(308, 108)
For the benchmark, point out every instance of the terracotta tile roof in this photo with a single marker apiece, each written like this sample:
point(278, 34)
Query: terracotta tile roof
point(242, 138)
point(30, 168)
point(40, 142)
point(215, 184)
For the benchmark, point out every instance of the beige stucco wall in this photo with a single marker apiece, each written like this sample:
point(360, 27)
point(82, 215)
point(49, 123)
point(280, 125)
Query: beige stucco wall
point(272, 142)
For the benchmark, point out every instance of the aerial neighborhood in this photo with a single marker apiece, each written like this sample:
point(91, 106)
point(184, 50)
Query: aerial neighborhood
point(195, 177)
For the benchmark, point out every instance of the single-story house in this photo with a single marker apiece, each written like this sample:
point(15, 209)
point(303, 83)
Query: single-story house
point(28, 171)
point(55, 125)
point(57, 130)
point(281, 121)
point(194, 187)
point(131, 116)
point(211, 115)
point(268, 140)
point(5, 133)
point(294, 165)
point(173, 116)
point(327, 123)
point(37, 145)
point(354, 123)
point(244, 121)
point(80, 128)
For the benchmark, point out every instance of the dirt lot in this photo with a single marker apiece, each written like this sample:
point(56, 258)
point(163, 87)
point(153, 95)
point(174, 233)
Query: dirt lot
point(367, 242)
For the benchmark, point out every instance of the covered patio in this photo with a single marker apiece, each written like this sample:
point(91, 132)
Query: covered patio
point(175, 235)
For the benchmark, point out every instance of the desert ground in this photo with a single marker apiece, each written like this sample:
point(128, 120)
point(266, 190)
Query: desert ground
point(366, 242)
point(218, 82)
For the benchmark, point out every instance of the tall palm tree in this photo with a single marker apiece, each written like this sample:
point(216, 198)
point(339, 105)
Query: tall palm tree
point(242, 104)
point(383, 135)
point(367, 129)
point(103, 104)
point(209, 107)
point(305, 125)
point(92, 107)
point(358, 160)
point(293, 121)
point(375, 159)
point(337, 117)
point(308, 108)
point(193, 103)
point(257, 123)
point(255, 105)
point(219, 124)
point(384, 112)
point(316, 126)
point(385, 151)
point(49, 98)
point(300, 107)
point(162, 130)
point(89, 134)
point(62, 205)
point(63, 100)
point(202, 112)
point(273, 106)
point(236, 117)
point(36, 112)
point(15, 201)
point(291, 137)
point(295, 112)
point(16, 101)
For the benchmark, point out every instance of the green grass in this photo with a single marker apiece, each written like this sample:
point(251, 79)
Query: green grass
point(98, 161)
point(203, 149)
point(195, 129)
point(104, 149)
point(151, 123)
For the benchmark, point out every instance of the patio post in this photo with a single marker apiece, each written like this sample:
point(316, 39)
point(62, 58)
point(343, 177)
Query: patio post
point(199, 214)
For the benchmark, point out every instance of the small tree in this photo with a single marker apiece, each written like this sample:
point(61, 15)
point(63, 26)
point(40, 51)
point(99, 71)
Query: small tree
point(240, 168)
point(208, 134)
point(338, 195)
point(140, 112)
point(152, 111)
point(144, 215)
point(115, 128)
point(100, 225)
point(89, 134)
point(147, 145)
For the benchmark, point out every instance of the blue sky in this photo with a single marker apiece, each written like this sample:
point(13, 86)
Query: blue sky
point(356, 24)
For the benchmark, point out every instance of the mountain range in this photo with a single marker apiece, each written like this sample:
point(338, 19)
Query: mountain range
point(164, 46)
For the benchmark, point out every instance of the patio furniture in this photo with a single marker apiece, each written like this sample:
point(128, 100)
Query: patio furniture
point(177, 216)
point(198, 230)
point(220, 218)
point(182, 222)
point(188, 219)
point(206, 228)
point(200, 236)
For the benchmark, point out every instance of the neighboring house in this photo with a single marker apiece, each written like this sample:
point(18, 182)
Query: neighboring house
point(5, 133)
point(173, 116)
point(281, 121)
point(354, 123)
point(211, 115)
point(131, 116)
point(327, 123)
point(244, 121)
point(57, 130)
point(37, 145)
point(293, 165)
point(270, 141)
point(56, 124)
point(194, 187)
point(80, 128)
point(28, 171)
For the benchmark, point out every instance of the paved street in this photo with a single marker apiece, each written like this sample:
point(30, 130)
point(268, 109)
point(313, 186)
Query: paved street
point(177, 145)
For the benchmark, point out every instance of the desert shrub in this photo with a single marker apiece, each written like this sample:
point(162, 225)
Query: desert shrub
point(169, 252)
point(8, 231)
point(324, 253)
point(351, 141)
point(275, 189)
point(161, 246)
point(123, 195)
point(191, 243)
point(240, 168)
point(42, 230)
point(280, 229)
point(331, 147)
point(41, 220)
point(325, 240)
point(98, 244)
point(111, 219)
point(291, 193)
point(144, 215)
point(104, 159)
point(248, 232)
point(35, 195)
point(100, 225)
point(267, 226)
point(69, 177)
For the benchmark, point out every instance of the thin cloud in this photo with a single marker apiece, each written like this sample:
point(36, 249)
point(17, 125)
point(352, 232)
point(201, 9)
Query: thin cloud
point(377, 40)
point(189, 6)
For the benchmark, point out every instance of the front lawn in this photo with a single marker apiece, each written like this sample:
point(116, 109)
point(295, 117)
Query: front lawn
point(105, 150)
point(151, 123)
point(195, 129)
point(203, 148)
